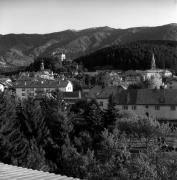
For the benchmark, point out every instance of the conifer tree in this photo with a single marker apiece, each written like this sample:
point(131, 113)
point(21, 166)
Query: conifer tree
point(110, 114)
point(14, 147)
point(33, 122)
point(36, 131)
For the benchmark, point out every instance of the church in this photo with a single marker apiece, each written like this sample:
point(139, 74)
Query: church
point(44, 73)
point(153, 72)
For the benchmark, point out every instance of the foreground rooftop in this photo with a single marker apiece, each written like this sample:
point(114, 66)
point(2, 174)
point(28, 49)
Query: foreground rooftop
point(9, 172)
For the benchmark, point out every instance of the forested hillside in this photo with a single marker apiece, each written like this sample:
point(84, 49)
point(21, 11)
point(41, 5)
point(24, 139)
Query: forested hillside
point(22, 49)
point(134, 55)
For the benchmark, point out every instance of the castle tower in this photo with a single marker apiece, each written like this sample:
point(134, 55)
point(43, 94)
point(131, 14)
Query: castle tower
point(62, 57)
point(153, 65)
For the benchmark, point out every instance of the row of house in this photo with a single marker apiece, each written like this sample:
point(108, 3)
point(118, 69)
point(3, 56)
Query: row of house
point(157, 103)
point(40, 87)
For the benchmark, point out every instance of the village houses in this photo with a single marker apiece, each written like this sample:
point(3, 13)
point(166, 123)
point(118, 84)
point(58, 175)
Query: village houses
point(157, 103)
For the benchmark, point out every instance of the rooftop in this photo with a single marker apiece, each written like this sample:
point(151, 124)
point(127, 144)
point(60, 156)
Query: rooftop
point(40, 83)
point(103, 92)
point(147, 97)
point(9, 172)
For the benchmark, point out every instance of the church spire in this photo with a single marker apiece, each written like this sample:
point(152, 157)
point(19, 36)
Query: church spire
point(42, 65)
point(153, 65)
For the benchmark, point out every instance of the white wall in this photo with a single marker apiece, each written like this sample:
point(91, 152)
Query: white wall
point(1, 88)
point(164, 112)
point(69, 87)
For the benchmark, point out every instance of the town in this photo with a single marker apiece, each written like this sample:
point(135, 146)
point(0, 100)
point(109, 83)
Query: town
point(88, 90)
point(146, 92)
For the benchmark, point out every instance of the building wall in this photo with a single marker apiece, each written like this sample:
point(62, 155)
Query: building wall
point(31, 92)
point(164, 112)
point(171, 85)
point(103, 103)
point(1, 88)
point(69, 87)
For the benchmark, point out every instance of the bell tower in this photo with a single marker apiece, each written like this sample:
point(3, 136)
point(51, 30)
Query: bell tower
point(42, 65)
point(153, 64)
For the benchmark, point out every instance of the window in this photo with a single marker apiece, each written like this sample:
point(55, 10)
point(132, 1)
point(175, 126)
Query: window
point(147, 106)
point(23, 89)
point(173, 108)
point(133, 107)
point(157, 107)
point(101, 103)
point(23, 94)
point(125, 107)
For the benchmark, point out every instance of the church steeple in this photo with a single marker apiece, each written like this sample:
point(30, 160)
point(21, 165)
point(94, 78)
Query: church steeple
point(153, 65)
point(42, 66)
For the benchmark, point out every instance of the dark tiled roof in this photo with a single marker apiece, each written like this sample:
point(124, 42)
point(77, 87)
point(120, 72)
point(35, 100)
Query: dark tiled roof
point(73, 95)
point(40, 84)
point(9, 172)
point(171, 79)
point(131, 73)
point(99, 92)
point(147, 97)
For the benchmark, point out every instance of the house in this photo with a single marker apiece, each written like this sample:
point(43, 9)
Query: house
point(40, 87)
point(5, 83)
point(102, 94)
point(2, 87)
point(171, 83)
point(72, 97)
point(157, 103)
point(131, 77)
point(65, 86)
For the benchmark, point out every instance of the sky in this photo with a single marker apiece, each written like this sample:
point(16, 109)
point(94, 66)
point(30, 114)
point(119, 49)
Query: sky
point(46, 16)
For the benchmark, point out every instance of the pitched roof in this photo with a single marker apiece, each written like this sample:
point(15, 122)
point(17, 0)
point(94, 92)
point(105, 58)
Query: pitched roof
point(131, 73)
point(9, 172)
point(40, 83)
point(99, 92)
point(147, 97)
point(171, 79)
point(71, 95)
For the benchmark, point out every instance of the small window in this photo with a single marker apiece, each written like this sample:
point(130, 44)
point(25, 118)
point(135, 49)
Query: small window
point(23, 94)
point(157, 107)
point(101, 103)
point(133, 107)
point(147, 106)
point(125, 107)
point(23, 89)
point(173, 108)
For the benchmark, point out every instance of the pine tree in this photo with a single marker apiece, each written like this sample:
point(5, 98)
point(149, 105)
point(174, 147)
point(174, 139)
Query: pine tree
point(110, 114)
point(35, 129)
point(14, 147)
point(33, 122)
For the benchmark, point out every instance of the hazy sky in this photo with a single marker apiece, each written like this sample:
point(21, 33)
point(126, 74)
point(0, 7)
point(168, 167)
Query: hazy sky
point(45, 16)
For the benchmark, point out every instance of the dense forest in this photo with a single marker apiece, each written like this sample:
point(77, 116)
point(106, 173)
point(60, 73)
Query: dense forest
point(82, 140)
point(134, 55)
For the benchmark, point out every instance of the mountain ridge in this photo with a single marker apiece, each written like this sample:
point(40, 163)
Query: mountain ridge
point(22, 49)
